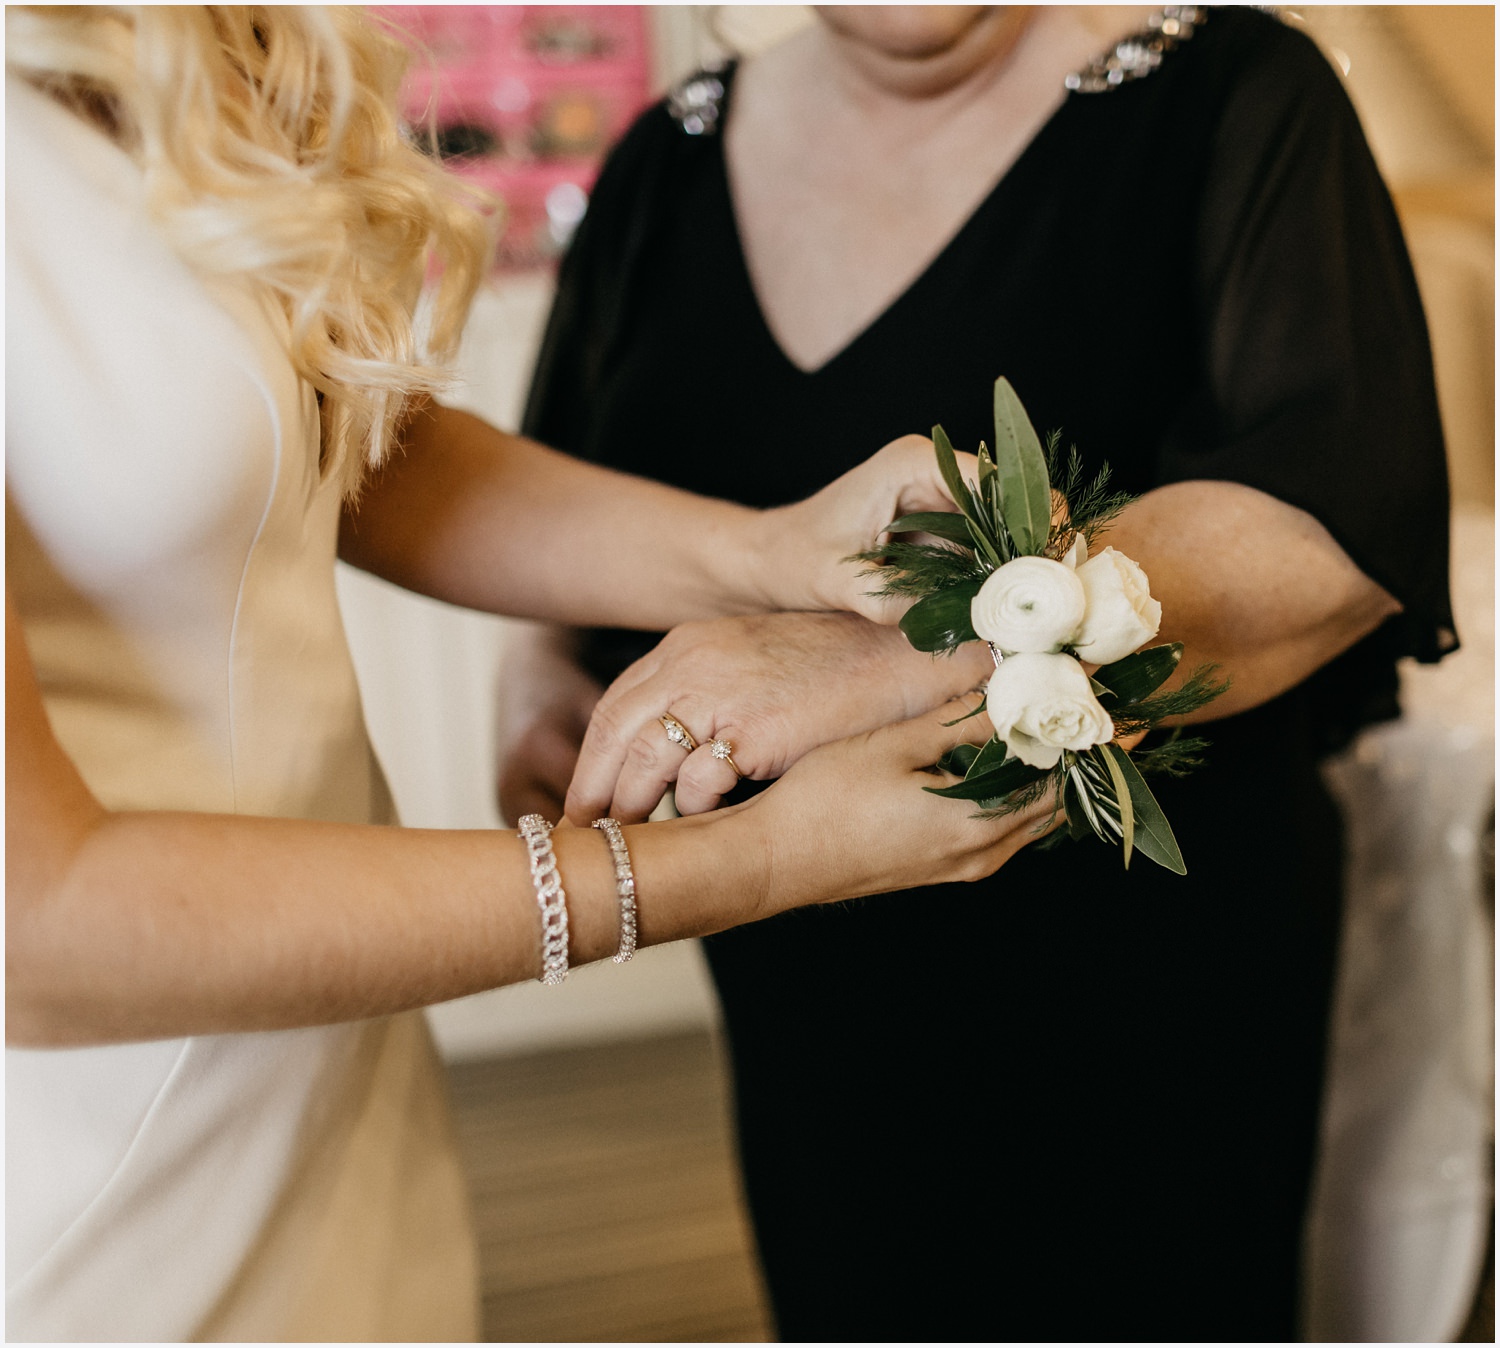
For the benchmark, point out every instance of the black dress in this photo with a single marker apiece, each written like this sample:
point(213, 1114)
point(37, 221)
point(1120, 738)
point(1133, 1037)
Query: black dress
point(1068, 1102)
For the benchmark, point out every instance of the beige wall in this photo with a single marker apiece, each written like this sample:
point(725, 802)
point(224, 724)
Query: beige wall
point(1423, 79)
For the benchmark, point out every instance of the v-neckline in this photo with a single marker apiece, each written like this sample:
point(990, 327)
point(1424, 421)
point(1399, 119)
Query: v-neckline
point(903, 297)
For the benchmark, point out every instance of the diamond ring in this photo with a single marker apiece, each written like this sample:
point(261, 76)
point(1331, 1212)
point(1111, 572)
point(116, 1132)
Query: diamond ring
point(721, 749)
point(678, 733)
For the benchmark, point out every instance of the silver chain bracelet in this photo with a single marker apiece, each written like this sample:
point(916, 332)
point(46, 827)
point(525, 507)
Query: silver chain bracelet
point(614, 835)
point(536, 832)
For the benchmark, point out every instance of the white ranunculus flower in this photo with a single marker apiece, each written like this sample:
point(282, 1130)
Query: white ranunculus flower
point(1121, 616)
point(1042, 704)
point(1029, 604)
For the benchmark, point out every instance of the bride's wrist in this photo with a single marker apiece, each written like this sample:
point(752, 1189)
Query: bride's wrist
point(716, 866)
point(924, 681)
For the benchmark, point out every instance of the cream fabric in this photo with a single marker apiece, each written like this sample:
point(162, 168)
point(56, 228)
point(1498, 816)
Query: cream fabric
point(170, 547)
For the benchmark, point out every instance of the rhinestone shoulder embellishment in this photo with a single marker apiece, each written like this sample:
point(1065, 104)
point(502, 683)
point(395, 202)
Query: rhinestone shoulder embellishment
point(1137, 56)
point(695, 103)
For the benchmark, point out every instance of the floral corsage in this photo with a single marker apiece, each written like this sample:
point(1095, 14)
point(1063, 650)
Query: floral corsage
point(1016, 568)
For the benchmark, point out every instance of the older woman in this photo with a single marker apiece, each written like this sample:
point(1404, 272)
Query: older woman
point(1090, 1114)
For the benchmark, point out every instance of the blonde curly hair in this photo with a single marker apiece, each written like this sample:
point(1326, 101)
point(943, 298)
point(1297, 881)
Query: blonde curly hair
point(272, 149)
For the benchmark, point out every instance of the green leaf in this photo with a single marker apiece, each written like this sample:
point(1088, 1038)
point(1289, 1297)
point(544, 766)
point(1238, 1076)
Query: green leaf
point(1096, 801)
point(958, 489)
point(993, 755)
point(984, 543)
point(986, 468)
point(1138, 675)
point(967, 716)
point(944, 524)
point(1025, 489)
point(991, 785)
point(1176, 756)
point(1153, 835)
point(941, 621)
point(1078, 823)
point(917, 570)
point(982, 534)
point(1197, 690)
point(958, 759)
point(1123, 801)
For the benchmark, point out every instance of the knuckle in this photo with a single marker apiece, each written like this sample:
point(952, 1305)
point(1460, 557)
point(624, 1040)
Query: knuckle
point(905, 445)
point(642, 756)
point(606, 734)
point(690, 800)
point(690, 774)
point(978, 866)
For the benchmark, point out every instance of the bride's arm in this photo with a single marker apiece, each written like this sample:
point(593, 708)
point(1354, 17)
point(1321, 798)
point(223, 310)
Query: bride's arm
point(474, 516)
point(125, 925)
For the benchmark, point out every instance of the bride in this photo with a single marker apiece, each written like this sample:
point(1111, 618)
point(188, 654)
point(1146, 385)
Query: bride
point(224, 1118)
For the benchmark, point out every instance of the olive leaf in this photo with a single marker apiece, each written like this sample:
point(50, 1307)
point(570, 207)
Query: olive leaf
point(958, 758)
point(1073, 812)
point(967, 716)
point(993, 755)
point(1153, 835)
point(1136, 676)
point(940, 523)
point(995, 785)
point(1021, 469)
point(941, 621)
point(958, 489)
point(1123, 801)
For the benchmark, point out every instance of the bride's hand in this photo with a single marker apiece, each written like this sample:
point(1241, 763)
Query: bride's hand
point(851, 818)
point(804, 548)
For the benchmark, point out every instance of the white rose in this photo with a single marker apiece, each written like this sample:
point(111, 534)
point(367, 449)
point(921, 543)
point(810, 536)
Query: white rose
point(1042, 704)
point(1029, 604)
point(1121, 616)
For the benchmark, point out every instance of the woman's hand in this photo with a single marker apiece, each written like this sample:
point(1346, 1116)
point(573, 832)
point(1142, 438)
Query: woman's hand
point(546, 699)
point(851, 818)
point(772, 687)
point(805, 548)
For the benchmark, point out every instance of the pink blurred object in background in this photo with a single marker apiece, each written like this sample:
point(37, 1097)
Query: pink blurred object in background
point(525, 100)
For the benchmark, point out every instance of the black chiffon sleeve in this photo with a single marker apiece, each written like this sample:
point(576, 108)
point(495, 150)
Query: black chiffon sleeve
point(1317, 380)
point(598, 281)
point(594, 286)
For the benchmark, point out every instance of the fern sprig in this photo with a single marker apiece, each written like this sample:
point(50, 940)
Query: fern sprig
point(1197, 690)
point(917, 570)
point(1022, 797)
point(1092, 507)
point(1174, 757)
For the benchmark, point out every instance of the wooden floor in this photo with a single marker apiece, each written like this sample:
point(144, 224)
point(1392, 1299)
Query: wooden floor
point(606, 1196)
point(608, 1204)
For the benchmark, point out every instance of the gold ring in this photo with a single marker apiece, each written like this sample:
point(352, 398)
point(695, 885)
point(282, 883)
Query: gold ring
point(721, 749)
point(678, 733)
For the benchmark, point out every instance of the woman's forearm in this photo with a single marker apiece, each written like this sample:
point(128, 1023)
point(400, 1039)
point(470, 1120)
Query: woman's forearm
point(135, 925)
point(1249, 583)
point(162, 925)
point(473, 516)
point(468, 514)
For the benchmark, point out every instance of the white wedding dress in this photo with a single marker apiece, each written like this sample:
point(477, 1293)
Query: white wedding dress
point(170, 548)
